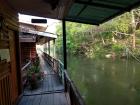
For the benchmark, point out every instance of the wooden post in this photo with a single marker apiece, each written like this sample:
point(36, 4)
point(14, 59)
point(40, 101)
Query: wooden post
point(49, 46)
point(30, 54)
point(54, 48)
point(46, 47)
point(18, 59)
point(64, 44)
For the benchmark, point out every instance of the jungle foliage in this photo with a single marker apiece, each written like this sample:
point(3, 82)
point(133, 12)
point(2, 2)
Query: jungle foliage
point(116, 37)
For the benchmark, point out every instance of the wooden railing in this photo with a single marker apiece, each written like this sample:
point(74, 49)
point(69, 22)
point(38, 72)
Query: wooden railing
point(5, 84)
point(58, 67)
point(24, 70)
point(75, 96)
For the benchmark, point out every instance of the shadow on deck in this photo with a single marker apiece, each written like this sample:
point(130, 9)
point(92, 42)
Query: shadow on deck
point(50, 91)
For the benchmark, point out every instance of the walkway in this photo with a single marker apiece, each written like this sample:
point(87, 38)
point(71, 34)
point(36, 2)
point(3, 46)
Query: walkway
point(50, 92)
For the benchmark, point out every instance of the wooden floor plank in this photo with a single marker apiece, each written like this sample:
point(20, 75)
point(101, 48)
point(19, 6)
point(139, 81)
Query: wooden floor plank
point(24, 101)
point(44, 100)
point(30, 100)
point(41, 95)
point(37, 99)
point(51, 83)
point(60, 99)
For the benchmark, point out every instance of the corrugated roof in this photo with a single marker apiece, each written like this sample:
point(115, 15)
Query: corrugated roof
point(99, 11)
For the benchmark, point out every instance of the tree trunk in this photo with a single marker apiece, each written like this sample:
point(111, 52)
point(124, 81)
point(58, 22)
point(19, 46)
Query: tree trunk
point(133, 30)
point(113, 39)
point(103, 42)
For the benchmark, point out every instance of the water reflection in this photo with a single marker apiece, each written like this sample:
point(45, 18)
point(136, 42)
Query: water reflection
point(106, 82)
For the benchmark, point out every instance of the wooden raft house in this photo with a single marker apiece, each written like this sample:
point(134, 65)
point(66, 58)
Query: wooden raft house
point(18, 41)
point(29, 36)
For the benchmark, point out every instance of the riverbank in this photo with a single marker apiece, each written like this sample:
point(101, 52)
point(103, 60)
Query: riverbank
point(112, 52)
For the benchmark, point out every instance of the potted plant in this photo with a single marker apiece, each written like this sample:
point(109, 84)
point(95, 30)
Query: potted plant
point(35, 75)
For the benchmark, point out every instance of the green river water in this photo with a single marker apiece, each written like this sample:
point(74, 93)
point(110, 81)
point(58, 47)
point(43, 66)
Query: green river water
point(106, 81)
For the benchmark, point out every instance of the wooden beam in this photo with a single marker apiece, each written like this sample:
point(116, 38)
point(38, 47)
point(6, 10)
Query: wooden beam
point(49, 46)
point(81, 21)
point(27, 39)
point(18, 59)
point(54, 48)
point(127, 9)
point(85, 6)
point(64, 44)
point(99, 5)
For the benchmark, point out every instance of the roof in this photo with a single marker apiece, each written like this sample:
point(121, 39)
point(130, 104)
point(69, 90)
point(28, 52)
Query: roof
point(32, 29)
point(34, 33)
point(84, 11)
point(36, 36)
point(54, 9)
point(39, 33)
point(99, 11)
point(32, 26)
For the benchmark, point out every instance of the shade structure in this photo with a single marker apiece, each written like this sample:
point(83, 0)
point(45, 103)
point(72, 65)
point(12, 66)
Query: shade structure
point(84, 11)
point(99, 11)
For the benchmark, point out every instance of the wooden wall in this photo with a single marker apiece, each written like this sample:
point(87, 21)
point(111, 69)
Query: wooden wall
point(9, 75)
point(28, 52)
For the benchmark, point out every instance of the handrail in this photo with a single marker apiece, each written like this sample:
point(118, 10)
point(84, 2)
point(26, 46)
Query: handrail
point(75, 96)
point(24, 67)
point(58, 67)
point(24, 73)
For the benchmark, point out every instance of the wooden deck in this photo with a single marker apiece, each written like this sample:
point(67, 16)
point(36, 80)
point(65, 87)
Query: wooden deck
point(50, 91)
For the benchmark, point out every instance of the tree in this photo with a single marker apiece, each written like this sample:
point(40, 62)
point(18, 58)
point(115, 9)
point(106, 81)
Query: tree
point(133, 30)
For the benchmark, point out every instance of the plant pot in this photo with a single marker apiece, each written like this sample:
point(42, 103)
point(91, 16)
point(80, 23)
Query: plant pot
point(34, 84)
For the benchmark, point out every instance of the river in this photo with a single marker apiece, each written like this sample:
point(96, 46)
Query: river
point(106, 81)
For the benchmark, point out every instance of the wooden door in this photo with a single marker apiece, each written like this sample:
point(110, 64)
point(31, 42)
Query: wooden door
point(13, 76)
